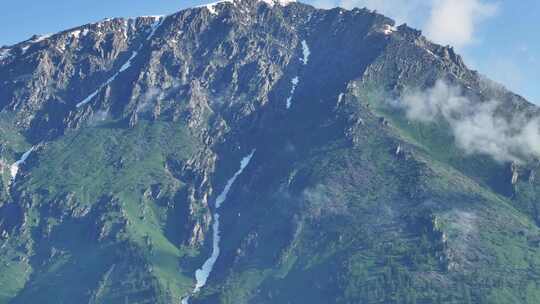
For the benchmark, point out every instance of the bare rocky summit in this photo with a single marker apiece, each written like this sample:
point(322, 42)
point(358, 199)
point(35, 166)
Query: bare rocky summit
point(134, 127)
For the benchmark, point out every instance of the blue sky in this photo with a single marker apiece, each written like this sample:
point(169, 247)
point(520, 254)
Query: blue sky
point(499, 38)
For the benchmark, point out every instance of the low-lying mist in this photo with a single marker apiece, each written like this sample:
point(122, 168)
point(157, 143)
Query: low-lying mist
point(478, 127)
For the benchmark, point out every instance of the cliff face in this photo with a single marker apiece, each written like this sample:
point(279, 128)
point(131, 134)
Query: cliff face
point(135, 129)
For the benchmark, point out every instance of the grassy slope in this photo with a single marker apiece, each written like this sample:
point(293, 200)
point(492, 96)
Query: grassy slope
point(502, 230)
point(378, 241)
point(432, 227)
point(12, 270)
point(111, 165)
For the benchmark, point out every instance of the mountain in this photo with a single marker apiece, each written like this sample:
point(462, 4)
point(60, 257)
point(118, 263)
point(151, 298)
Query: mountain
point(262, 152)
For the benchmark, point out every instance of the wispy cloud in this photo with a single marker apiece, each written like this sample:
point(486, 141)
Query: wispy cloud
point(411, 11)
point(98, 117)
point(323, 200)
point(451, 22)
point(454, 21)
point(154, 95)
point(326, 4)
point(478, 127)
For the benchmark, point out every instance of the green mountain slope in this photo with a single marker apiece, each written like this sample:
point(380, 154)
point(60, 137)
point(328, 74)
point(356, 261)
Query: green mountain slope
point(136, 127)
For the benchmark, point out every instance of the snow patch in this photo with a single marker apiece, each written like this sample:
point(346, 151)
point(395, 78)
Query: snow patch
point(89, 97)
point(41, 38)
point(25, 48)
point(212, 6)
point(14, 169)
point(153, 16)
point(388, 29)
point(128, 63)
point(294, 83)
point(35, 39)
point(4, 53)
point(154, 27)
point(75, 34)
point(103, 85)
point(340, 97)
point(223, 195)
point(124, 67)
point(305, 52)
point(430, 52)
point(398, 150)
point(202, 274)
point(279, 2)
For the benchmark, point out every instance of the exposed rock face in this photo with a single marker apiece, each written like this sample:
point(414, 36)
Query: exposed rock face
point(140, 123)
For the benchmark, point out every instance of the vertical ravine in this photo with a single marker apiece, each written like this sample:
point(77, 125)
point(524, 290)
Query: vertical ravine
point(14, 169)
point(202, 274)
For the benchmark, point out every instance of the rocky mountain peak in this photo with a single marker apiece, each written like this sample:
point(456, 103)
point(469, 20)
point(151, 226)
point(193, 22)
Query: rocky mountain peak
point(259, 151)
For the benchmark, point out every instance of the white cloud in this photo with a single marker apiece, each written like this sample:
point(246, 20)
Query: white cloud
point(326, 4)
point(477, 127)
point(454, 21)
point(411, 11)
point(451, 22)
